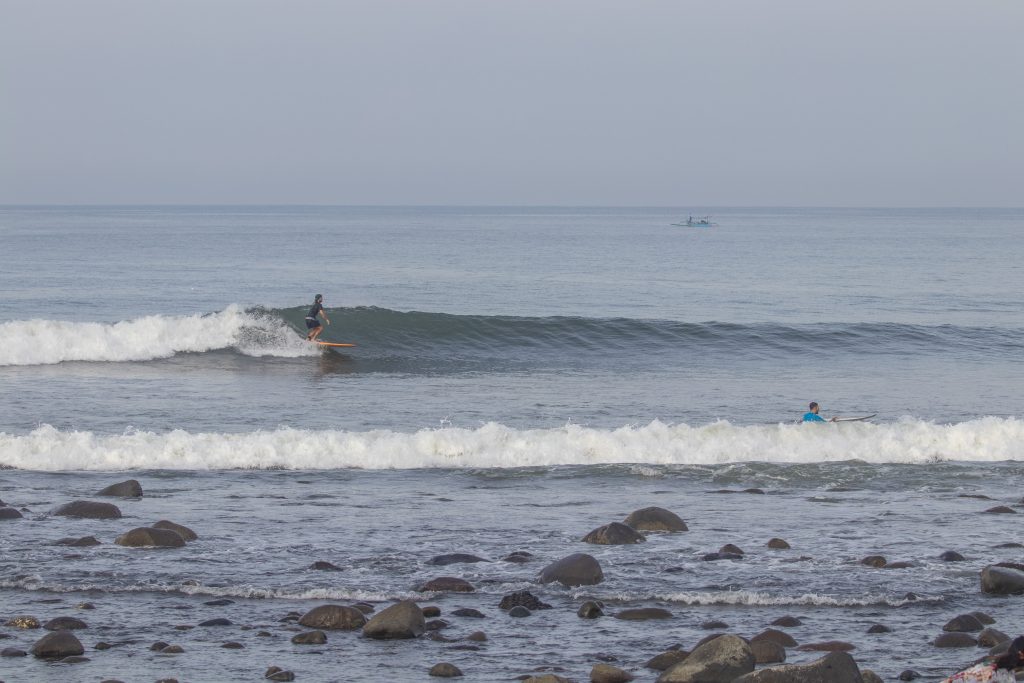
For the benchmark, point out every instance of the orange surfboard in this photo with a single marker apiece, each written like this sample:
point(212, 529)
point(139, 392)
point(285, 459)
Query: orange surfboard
point(335, 345)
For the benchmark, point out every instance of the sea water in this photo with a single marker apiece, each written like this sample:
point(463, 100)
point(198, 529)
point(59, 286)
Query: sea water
point(521, 377)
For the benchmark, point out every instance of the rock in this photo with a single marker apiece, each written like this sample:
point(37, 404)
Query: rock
point(835, 667)
point(467, 613)
point(951, 556)
point(183, 531)
point(1002, 581)
point(876, 561)
point(869, 676)
point(219, 621)
point(990, 637)
point(221, 602)
point(965, 623)
point(787, 622)
point(64, 624)
point(614, 534)
point(10, 513)
point(655, 519)
point(477, 636)
point(57, 645)
point(1001, 510)
point(590, 610)
point(158, 645)
point(23, 621)
point(324, 566)
point(713, 557)
point(401, 620)
point(908, 675)
point(455, 558)
point(275, 673)
point(955, 640)
point(578, 569)
point(713, 625)
point(524, 598)
point(172, 650)
point(730, 549)
point(12, 652)
point(879, 628)
point(232, 645)
point(666, 660)
point(149, 537)
point(898, 565)
point(310, 638)
point(367, 608)
point(1011, 544)
point(643, 614)
point(518, 557)
point(447, 584)
point(87, 509)
point(827, 646)
point(721, 660)
point(124, 489)
point(83, 542)
point(606, 673)
point(776, 636)
point(436, 625)
point(546, 678)
point(983, 618)
point(778, 544)
point(519, 611)
point(767, 652)
point(445, 670)
point(431, 611)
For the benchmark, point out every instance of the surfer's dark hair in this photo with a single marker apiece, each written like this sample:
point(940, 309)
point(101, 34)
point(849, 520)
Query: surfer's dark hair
point(814, 404)
point(1011, 660)
point(318, 297)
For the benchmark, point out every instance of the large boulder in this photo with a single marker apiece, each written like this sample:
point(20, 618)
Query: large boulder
point(333, 618)
point(721, 660)
point(955, 640)
point(57, 645)
point(606, 673)
point(614, 534)
point(401, 620)
point(836, 667)
point(183, 531)
point(767, 652)
point(1002, 581)
point(655, 519)
point(148, 537)
point(965, 623)
point(124, 489)
point(88, 509)
point(578, 569)
point(9, 513)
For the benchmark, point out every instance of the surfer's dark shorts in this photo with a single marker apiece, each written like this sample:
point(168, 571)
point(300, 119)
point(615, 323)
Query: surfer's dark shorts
point(312, 324)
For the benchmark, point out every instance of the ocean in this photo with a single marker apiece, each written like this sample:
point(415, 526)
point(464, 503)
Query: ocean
point(521, 376)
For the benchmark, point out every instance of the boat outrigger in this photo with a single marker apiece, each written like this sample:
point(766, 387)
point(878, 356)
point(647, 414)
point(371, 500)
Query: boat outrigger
point(697, 222)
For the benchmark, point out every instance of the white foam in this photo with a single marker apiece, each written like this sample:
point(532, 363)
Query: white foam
point(44, 342)
point(758, 599)
point(987, 439)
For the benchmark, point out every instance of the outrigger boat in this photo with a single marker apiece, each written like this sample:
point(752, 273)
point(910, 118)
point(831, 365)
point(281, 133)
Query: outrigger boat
point(697, 222)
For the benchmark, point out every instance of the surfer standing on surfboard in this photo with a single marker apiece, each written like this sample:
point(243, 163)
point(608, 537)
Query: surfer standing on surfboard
point(812, 415)
point(312, 324)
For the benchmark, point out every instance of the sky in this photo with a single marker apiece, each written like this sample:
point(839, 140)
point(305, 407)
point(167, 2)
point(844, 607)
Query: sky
point(513, 102)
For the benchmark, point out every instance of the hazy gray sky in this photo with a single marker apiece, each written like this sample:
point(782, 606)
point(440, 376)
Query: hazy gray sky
point(678, 103)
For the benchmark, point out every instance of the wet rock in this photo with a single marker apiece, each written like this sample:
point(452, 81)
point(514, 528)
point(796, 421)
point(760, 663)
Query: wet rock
point(713, 625)
point(1001, 510)
point(401, 620)
point(730, 549)
point(445, 670)
point(898, 565)
point(232, 645)
point(578, 569)
point(964, 623)
point(767, 652)
point(983, 618)
point(436, 625)
point(876, 561)
point(1002, 581)
point(643, 614)
point(74, 659)
point(614, 534)
point(908, 675)
point(64, 624)
point(835, 667)
point(1011, 544)
point(990, 637)
point(9, 513)
point(879, 628)
point(219, 621)
point(518, 557)
point(468, 613)
point(221, 602)
point(367, 608)
point(310, 638)
point(88, 509)
point(172, 650)
point(333, 618)
point(869, 676)
point(158, 645)
point(85, 605)
point(827, 646)
point(955, 640)
point(182, 531)
point(477, 636)
point(590, 610)
point(721, 660)
point(778, 544)
point(23, 621)
point(124, 489)
point(787, 622)
point(83, 542)
point(776, 636)
point(714, 557)
point(149, 537)
point(666, 660)
point(455, 558)
point(447, 584)
point(431, 611)
point(524, 598)
point(12, 652)
point(324, 566)
point(655, 519)
point(606, 673)
point(57, 645)
point(519, 612)
point(951, 556)
point(276, 673)
point(546, 678)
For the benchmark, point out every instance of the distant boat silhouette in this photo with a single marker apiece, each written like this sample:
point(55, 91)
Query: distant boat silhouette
point(697, 222)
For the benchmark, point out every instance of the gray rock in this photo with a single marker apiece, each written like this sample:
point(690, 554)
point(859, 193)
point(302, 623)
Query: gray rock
point(519, 612)
point(445, 670)
point(1002, 581)
point(869, 676)
point(310, 638)
point(518, 557)
point(183, 531)
point(655, 519)
point(590, 610)
point(990, 637)
point(721, 660)
point(9, 513)
point(324, 566)
point(951, 556)
point(876, 561)
point(524, 598)
point(232, 645)
point(767, 652)
point(401, 620)
point(467, 612)
point(778, 544)
point(64, 624)
point(333, 617)
point(57, 645)
point(643, 614)
point(787, 622)
point(964, 623)
point(879, 628)
point(477, 636)
point(666, 660)
point(447, 584)
point(908, 675)
point(149, 537)
point(713, 557)
point(713, 625)
point(730, 549)
point(827, 646)
point(578, 569)
point(614, 534)
point(124, 489)
point(836, 667)
point(455, 558)
point(276, 673)
point(983, 618)
point(88, 509)
point(606, 673)
point(1001, 510)
point(776, 636)
point(955, 640)
point(83, 542)
point(12, 652)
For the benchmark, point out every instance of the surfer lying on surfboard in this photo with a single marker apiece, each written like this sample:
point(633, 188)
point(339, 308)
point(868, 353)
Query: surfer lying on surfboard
point(312, 324)
point(812, 415)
